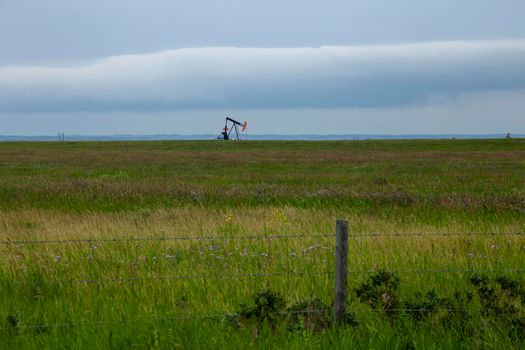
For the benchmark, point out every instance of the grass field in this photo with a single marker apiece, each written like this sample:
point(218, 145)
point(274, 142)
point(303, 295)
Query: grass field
point(130, 294)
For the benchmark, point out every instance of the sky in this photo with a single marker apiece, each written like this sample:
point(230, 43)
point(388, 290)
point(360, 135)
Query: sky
point(103, 67)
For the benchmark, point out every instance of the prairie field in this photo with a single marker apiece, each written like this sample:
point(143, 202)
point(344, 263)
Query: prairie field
point(208, 244)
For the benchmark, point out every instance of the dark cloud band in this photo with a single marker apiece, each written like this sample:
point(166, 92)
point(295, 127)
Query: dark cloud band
point(362, 76)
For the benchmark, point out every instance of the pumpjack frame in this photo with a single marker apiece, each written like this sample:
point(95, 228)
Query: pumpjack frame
point(226, 132)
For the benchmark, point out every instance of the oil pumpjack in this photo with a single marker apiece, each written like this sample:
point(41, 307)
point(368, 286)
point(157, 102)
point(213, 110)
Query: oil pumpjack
point(225, 134)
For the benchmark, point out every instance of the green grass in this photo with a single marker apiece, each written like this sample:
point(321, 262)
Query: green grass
point(90, 190)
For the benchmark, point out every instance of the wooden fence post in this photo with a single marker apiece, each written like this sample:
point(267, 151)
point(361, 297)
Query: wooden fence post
point(341, 270)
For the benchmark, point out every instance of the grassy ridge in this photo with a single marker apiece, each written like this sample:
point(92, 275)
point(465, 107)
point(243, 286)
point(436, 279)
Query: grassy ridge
point(86, 190)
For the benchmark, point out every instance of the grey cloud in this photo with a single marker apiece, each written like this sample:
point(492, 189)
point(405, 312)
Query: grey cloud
point(227, 77)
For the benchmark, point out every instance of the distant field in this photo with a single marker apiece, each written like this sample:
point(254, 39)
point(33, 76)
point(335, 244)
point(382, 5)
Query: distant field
point(104, 190)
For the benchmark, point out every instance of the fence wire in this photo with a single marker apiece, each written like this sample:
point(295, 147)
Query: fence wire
point(155, 319)
point(444, 234)
point(255, 237)
point(252, 275)
point(324, 312)
point(167, 278)
point(458, 271)
point(183, 238)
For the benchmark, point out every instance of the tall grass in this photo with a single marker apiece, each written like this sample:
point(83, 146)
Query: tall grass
point(132, 294)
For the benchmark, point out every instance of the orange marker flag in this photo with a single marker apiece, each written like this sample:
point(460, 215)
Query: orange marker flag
point(244, 126)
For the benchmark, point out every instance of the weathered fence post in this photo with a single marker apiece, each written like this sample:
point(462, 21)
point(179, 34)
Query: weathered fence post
point(341, 270)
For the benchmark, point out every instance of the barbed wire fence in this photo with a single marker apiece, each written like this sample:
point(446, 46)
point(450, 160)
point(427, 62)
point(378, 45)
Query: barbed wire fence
point(340, 272)
point(256, 237)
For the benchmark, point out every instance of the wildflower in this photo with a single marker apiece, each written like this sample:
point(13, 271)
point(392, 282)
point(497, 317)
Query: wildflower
point(471, 255)
point(58, 258)
point(264, 254)
point(213, 248)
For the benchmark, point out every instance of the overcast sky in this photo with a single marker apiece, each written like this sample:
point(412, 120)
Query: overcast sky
point(375, 66)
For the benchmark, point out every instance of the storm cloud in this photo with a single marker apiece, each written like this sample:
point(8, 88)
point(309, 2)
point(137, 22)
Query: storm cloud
point(376, 76)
